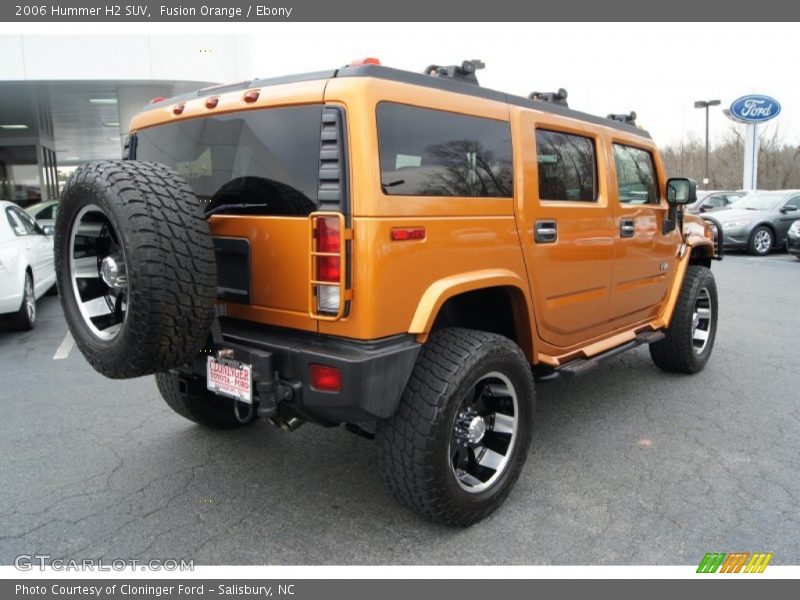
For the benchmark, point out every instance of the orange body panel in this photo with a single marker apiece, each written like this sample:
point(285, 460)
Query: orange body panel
point(588, 292)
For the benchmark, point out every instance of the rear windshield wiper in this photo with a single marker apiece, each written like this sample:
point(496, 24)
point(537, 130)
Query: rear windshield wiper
point(227, 207)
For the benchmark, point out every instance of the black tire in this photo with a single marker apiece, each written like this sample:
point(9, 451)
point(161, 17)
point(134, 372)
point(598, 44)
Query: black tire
point(679, 352)
point(170, 264)
point(25, 318)
point(415, 443)
point(210, 410)
point(756, 250)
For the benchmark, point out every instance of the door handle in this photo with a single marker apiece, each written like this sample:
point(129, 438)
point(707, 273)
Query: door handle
point(627, 227)
point(545, 232)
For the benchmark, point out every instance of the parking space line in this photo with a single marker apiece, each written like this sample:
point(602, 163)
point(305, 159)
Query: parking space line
point(64, 348)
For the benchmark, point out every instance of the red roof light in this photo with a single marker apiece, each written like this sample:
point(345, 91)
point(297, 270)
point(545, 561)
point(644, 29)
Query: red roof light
point(360, 62)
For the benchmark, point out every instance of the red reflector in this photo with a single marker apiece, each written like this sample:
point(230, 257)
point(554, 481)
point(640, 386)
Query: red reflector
point(251, 96)
point(178, 108)
point(400, 234)
point(157, 99)
point(328, 269)
point(326, 379)
point(364, 61)
point(212, 102)
point(327, 234)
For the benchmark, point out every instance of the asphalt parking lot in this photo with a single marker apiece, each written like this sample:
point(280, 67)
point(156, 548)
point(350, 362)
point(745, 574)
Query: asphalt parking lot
point(629, 465)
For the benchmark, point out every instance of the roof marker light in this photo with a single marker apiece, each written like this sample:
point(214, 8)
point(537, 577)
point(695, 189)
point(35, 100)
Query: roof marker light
point(251, 96)
point(178, 108)
point(212, 102)
point(157, 99)
point(360, 62)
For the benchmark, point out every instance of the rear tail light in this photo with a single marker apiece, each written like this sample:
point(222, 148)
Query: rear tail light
point(325, 378)
point(327, 265)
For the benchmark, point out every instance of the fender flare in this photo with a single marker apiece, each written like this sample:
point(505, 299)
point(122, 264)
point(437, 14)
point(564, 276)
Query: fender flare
point(664, 317)
point(442, 290)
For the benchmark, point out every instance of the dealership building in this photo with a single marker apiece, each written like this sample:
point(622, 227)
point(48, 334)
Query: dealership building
point(65, 100)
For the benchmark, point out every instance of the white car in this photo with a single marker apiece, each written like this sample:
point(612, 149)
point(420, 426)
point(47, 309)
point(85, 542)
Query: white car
point(45, 214)
point(27, 265)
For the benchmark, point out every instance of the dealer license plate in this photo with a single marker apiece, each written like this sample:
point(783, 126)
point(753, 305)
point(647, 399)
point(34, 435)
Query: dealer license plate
point(230, 378)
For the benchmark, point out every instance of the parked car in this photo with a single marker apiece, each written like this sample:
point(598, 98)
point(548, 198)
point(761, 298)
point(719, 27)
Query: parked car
point(760, 221)
point(793, 239)
point(27, 269)
point(711, 200)
point(45, 214)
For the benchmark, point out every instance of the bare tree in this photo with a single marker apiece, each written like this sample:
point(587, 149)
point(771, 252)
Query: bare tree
point(778, 161)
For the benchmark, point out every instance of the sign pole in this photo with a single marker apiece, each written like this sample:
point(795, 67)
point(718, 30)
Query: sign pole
point(750, 181)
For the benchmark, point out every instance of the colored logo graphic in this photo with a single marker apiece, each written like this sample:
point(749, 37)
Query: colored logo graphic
point(755, 108)
point(736, 562)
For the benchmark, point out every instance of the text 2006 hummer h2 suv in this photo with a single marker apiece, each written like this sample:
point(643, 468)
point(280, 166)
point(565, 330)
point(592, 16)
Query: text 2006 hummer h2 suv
point(403, 253)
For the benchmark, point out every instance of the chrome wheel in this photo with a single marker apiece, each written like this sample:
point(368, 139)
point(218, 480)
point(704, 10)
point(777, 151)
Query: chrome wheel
point(98, 273)
point(484, 433)
point(762, 241)
point(701, 321)
point(30, 299)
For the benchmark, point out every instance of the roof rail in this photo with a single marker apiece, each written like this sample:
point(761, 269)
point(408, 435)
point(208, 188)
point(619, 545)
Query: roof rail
point(559, 97)
point(630, 118)
point(464, 72)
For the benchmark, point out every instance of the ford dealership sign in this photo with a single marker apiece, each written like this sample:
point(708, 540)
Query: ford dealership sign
point(755, 108)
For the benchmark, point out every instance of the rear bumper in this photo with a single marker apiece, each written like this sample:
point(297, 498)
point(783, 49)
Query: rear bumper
point(374, 373)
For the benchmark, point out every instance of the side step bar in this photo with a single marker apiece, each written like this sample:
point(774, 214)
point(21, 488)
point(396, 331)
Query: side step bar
point(581, 366)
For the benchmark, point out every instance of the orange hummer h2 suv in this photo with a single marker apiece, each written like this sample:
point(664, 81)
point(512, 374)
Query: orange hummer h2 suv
point(402, 253)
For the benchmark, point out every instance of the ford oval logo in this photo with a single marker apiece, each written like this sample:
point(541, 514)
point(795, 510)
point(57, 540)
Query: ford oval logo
point(755, 108)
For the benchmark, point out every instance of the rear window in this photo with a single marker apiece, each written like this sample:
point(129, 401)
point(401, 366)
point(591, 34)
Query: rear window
point(425, 152)
point(260, 161)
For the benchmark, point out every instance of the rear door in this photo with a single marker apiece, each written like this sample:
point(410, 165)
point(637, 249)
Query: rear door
point(259, 175)
point(567, 230)
point(644, 256)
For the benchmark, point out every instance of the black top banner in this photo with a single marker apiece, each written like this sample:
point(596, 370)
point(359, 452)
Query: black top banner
point(408, 10)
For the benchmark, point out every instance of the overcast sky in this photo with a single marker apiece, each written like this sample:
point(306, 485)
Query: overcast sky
point(658, 70)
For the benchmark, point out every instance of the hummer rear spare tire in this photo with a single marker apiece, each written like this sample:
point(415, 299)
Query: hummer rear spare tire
point(136, 268)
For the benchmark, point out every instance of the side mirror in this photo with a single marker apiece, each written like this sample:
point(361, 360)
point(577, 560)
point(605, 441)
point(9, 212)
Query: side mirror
point(48, 230)
point(787, 209)
point(681, 191)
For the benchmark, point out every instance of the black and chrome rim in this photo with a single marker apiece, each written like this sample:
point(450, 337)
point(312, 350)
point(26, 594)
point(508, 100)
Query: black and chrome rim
point(98, 272)
point(484, 433)
point(701, 321)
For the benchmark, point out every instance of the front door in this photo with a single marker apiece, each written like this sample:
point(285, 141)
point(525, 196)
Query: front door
point(644, 256)
point(567, 230)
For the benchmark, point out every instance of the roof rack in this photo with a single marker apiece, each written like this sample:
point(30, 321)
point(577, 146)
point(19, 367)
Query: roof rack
point(464, 72)
point(630, 118)
point(559, 97)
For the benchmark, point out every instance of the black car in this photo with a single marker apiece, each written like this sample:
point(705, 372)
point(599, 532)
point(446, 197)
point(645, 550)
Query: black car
point(793, 239)
point(760, 221)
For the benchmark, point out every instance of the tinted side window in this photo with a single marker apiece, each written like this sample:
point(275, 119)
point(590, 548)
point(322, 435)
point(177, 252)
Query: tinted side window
point(795, 202)
point(636, 175)
point(426, 152)
point(47, 213)
point(567, 166)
